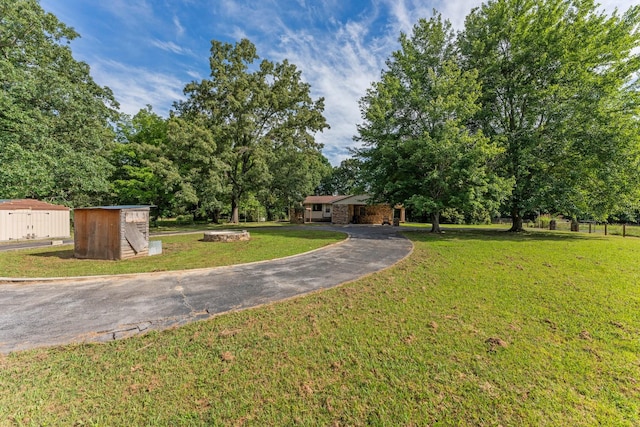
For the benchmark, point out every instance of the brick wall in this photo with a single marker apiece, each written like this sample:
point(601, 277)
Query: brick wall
point(375, 214)
point(340, 214)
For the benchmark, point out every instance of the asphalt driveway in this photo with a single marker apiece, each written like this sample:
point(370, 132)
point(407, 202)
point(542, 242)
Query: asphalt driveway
point(42, 313)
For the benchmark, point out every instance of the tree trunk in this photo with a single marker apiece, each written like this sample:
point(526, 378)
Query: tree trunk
point(215, 216)
point(199, 215)
point(516, 221)
point(235, 215)
point(575, 225)
point(435, 223)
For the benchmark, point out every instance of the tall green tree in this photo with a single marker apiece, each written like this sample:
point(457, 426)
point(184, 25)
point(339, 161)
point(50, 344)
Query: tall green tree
point(145, 172)
point(295, 172)
point(418, 149)
point(55, 130)
point(343, 179)
point(560, 95)
point(192, 148)
point(250, 110)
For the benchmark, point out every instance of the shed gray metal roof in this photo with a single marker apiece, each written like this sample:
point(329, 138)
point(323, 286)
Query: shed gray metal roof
point(118, 207)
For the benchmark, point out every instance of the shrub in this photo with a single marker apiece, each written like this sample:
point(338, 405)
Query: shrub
point(544, 220)
point(184, 219)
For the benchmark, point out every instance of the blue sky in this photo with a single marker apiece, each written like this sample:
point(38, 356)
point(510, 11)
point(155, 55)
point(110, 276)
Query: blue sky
point(147, 50)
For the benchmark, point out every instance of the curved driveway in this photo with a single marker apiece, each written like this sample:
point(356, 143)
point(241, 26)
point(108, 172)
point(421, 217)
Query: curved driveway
point(60, 311)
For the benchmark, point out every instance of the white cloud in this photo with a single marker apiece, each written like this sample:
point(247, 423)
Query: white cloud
point(171, 47)
point(238, 34)
point(179, 27)
point(339, 68)
point(457, 10)
point(401, 15)
point(621, 5)
point(135, 87)
point(341, 65)
point(131, 13)
point(194, 74)
point(340, 59)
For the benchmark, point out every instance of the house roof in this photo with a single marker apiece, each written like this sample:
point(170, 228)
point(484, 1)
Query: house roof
point(358, 199)
point(326, 200)
point(35, 205)
point(118, 207)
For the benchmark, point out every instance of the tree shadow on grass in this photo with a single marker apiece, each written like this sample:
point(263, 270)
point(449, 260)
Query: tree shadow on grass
point(297, 231)
point(292, 232)
point(498, 235)
point(62, 254)
point(303, 231)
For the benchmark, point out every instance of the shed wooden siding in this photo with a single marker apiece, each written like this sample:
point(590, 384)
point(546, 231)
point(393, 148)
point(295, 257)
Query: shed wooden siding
point(96, 234)
point(105, 233)
point(33, 219)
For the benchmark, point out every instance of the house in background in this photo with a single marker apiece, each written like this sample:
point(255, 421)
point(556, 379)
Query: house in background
point(348, 210)
point(320, 208)
point(33, 219)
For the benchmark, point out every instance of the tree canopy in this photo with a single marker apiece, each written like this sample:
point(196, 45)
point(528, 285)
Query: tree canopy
point(256, 116)
point(553, 85)
point(343, 179)
point(145, 171)
point(246, 135)
point(418, 149)
point(560, 95)
point(54, 119)
point(538, 100)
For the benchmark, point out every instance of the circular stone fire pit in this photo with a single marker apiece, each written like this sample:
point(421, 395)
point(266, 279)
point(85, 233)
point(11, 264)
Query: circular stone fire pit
point(226, 236)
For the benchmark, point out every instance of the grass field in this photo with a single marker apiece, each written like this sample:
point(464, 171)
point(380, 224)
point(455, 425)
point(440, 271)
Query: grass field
point(629, 230)
point(474, 328)
point(179, 252)
point(169, 225)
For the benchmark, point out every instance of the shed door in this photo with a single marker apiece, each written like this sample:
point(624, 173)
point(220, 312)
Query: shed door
point(40, 224)
point(29, 224)
point(19, 225)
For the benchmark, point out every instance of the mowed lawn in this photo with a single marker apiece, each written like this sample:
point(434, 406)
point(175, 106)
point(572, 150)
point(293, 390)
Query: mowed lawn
point(476, 327)
point(179, 252)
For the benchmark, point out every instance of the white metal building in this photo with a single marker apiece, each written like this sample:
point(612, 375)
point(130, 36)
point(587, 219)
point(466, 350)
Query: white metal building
point(33, 219)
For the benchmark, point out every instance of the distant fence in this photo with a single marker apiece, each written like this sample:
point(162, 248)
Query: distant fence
point(590, 227)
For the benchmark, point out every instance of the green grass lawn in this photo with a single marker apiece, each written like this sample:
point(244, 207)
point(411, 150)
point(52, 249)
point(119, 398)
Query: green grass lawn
point(179, 252)
point(169, 225)
point(474, 328)
point(445, 227)
point(630, 230)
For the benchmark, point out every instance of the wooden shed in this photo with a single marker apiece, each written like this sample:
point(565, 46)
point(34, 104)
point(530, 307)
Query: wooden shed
point(33, 219)
point(111, 232)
